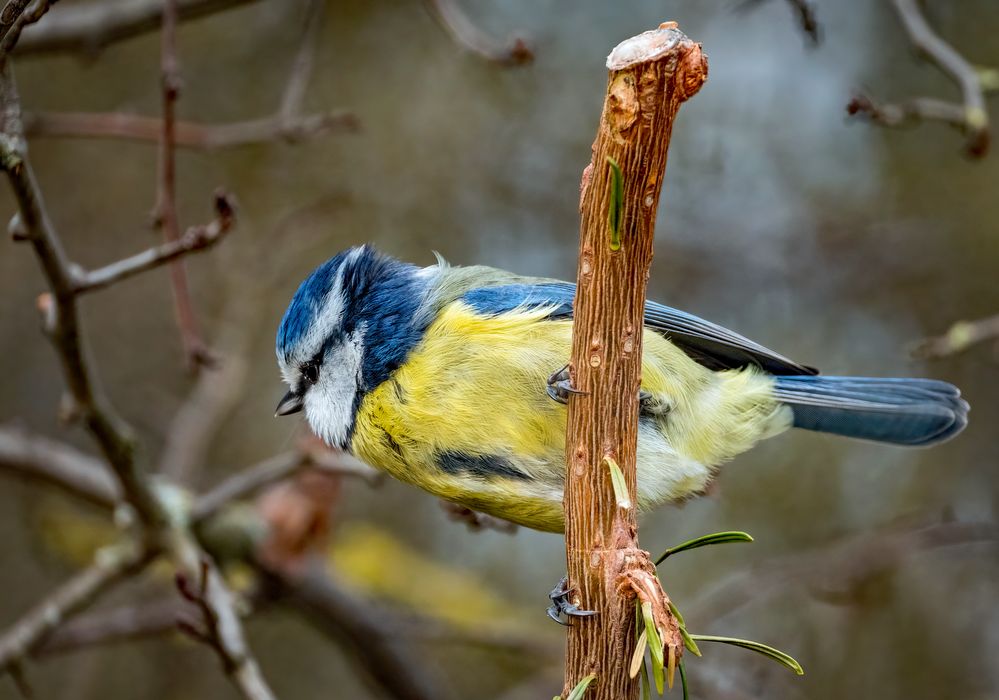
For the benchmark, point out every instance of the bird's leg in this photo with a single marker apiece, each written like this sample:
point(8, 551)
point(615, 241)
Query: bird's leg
point(560, 386)
point(562, 605)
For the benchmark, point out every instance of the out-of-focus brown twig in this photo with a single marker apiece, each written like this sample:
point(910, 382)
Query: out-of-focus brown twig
point(89, 27)
point(220, 630)
point(514, 52)
point(354, 623)
point(969, 116)
point(834, 571)
point(121, 624)
point(110, 566)
point(191, 135)
point(41, 459)
point(14, 18)
point(807, 17)
point(253, 479)
point(195, 239)
point(288, 123)
point(60, 317)
point(161, 533)
point(196, 352)
point(958, 338)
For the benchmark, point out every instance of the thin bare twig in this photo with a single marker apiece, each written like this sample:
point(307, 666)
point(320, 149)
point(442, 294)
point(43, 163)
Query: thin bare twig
point(960, 337)
point(112, 434)
point(195, 239)
point(121, 624)
point(833, 571)
point(55, 463)
point(514, 52)
point(807, 17)
point(11, 32)
point(352, 622)
point(222, 630)
point(301, 69)
point(110, 566)
point(90, 27)
point(969, 116)
point(277, 468)
point(191, 135)
point(286, 124)
point(196, 352)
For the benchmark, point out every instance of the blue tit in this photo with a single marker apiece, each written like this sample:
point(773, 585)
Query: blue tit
point(440, 376)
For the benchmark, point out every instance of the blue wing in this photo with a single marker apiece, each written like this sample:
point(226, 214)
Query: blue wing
point(707, 343)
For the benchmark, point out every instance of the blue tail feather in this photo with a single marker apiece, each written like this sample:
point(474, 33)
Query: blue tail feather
point(913, 412)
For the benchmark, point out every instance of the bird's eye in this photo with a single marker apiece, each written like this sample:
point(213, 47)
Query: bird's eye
point(310, 371)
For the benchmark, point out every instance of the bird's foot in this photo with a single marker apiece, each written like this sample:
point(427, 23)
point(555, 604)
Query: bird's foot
point(560, 386)
point(562, 605)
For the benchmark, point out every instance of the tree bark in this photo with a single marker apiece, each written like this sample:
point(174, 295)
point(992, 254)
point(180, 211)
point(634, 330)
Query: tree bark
point(650, 75)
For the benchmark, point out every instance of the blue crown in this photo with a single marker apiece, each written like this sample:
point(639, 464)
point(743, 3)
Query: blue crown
point(379, 292)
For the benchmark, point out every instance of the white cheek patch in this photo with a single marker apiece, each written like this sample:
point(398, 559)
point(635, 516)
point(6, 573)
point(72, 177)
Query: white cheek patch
point(329, 405)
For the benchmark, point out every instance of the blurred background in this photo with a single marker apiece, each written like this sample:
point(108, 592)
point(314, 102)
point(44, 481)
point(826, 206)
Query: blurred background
point(836, 242)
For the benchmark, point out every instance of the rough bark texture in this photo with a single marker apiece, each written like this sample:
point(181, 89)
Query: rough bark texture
point(650, 76)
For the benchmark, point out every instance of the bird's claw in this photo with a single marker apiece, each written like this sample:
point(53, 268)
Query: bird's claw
point(560, 386)
point(563, 606)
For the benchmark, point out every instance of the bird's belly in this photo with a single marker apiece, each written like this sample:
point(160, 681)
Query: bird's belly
point(467, 418)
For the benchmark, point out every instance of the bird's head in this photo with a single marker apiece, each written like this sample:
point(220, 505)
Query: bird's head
point(350, 324)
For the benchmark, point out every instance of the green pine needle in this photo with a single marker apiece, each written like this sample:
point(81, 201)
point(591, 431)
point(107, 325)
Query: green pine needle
point(760, 648)
point(646, 687)
point(614, 210)
point(676, 614)
point(655, 643)
point(580, 689)
point(683, 682)
point(619, 484)
point(704, 540)
point(688, 641)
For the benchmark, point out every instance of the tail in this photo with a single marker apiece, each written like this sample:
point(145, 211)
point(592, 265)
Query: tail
point(913, 412)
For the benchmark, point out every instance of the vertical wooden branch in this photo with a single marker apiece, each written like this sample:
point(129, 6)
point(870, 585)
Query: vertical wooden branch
point(650, 76)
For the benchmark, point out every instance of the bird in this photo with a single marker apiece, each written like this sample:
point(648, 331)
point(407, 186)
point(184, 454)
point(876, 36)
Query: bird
point(447, 378)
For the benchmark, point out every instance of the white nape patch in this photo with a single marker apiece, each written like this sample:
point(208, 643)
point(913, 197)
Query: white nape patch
point(329, 404)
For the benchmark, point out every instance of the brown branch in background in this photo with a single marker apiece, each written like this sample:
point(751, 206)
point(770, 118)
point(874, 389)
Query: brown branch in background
point(835, 572)
point(110, 566)
point(191, 135)
point(970, 115)
point(195, 239)
point(365, 632)
point(251, 480)
point(220, 629)
point(650, 75)
point(805, 12)
point(960, 337)
point(122, 624)
point(111, 433)
point(196, 353)
point(287, 124)
point(40, 459)
point(61, 319)
point(14, 18)
point(90, 27)
point(515, 52)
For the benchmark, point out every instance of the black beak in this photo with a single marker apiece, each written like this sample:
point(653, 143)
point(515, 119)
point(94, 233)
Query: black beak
point(291, 403)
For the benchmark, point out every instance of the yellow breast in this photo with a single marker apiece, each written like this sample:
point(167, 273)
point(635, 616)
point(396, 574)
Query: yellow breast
point(467, 418)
